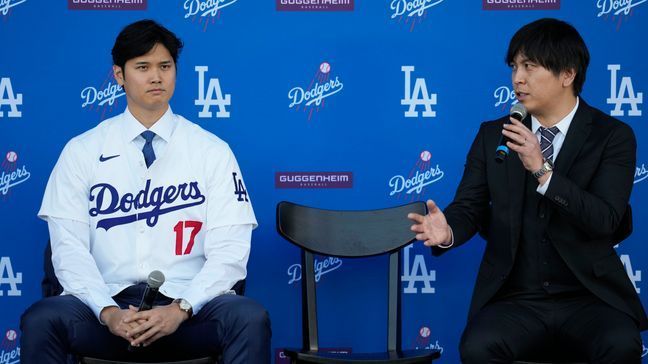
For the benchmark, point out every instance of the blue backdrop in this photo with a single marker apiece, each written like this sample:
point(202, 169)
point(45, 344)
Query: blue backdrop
point(383, 97)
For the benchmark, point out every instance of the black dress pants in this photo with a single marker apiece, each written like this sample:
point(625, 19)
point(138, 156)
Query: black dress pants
point(519, 329)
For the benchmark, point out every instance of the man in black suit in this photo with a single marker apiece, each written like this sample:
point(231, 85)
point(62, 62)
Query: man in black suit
point(551, 215)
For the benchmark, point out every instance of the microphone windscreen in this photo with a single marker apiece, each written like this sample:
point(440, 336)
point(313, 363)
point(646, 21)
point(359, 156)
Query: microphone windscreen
point(155, 279)
point(518, 112)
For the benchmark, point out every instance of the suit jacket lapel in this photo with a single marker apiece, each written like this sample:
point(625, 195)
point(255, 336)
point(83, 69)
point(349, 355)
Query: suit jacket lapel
point(577, 134)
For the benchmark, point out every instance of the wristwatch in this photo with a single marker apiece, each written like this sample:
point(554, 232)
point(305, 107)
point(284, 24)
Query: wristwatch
point(547, 166)
point(184, 306)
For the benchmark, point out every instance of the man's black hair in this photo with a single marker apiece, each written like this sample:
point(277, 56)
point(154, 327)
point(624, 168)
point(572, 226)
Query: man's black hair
point(555, 45)
point(139, 38)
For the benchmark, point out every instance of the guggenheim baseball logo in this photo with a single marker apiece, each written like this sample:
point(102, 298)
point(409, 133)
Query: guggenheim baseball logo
point(314, 5)
point(107, 4)
point(312, 98)
point(313, 179)
point(521, 4)
point(422, 174)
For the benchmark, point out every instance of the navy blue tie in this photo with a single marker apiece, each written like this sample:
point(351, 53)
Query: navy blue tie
point(149, 154)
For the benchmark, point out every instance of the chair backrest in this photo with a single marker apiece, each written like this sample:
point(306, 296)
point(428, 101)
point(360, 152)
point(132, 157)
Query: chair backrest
point(348, 234)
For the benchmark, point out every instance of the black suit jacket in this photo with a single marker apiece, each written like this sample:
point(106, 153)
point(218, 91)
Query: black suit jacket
point(584, 207)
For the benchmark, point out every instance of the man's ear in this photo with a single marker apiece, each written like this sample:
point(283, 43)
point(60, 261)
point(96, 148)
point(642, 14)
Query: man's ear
point(567, 76)
point(118, 73)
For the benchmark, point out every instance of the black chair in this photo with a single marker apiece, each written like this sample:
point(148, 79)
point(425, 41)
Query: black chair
point(350, 234)
point(51, 287)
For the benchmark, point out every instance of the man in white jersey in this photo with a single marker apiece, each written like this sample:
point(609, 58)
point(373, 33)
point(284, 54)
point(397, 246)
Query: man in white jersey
point(147, 190)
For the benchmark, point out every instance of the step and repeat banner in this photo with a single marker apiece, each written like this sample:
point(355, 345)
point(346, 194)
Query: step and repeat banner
point(340, 104)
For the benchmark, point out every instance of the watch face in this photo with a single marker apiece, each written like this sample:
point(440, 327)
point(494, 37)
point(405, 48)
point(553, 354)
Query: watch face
point(184, 305)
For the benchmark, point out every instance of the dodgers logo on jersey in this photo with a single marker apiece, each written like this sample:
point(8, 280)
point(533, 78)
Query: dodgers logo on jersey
point(623, 94)
point(9, 279)
point(411, 12)
point(213, 96)
point(418, 96)
point(312, 98)
point(9, 98)
point(422, 174)
point(148, 204)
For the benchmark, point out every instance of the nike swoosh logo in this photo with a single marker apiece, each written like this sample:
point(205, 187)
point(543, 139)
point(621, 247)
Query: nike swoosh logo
point(103, 159)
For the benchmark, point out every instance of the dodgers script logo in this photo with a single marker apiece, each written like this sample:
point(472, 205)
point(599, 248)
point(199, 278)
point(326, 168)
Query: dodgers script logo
point(623, 94)
point(418, 96)
point(321, 268)
point(148, 203)
point(5, 5)
point(9, 279)
point(413, 11)
point(312, 98)
point(616, 7)
point(102, 98)
point(416, 272)
point(213, 96)
point(9, 98)
point(10, 174)
point(207, 11)
point(505, 97)
point(641, 173)
point(9, 349)
point(422, 174)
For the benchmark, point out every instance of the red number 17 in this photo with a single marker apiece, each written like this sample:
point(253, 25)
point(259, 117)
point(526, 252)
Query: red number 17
point(179, 230)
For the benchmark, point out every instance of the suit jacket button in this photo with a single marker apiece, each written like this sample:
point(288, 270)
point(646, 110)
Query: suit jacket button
point(545, 283)
point(541, 215)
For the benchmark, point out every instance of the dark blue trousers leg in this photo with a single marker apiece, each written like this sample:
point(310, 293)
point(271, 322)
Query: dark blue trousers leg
point(235, 327)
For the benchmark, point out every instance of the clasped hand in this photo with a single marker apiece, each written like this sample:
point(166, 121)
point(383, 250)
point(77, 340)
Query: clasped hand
point(143, 328)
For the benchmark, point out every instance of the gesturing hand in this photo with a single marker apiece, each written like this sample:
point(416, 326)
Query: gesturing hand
point(432, 228)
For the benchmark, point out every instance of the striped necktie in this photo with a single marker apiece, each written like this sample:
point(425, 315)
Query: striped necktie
point(547, 136)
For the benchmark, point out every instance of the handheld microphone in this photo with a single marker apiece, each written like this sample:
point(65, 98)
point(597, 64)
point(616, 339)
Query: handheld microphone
point(518, 112)
point(153, 283)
